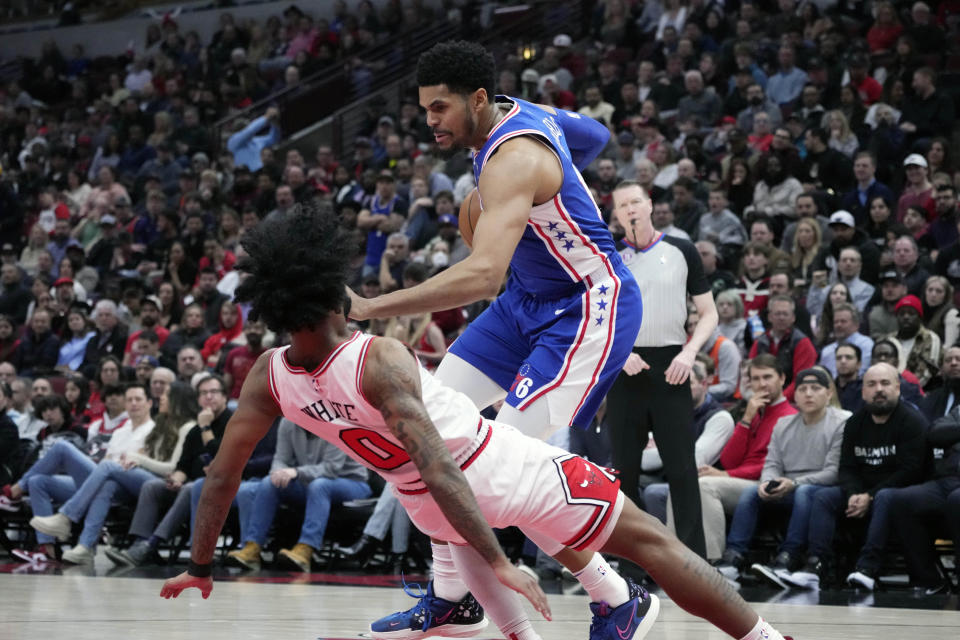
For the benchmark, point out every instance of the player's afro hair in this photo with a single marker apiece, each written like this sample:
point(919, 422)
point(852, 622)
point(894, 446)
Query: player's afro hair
point(463, 66)
point(295, 268)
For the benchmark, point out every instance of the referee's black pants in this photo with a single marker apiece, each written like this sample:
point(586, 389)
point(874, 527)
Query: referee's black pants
point(645, 402)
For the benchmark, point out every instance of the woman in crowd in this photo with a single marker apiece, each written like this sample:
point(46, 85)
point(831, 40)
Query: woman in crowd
point(915, 220)
point(77, 191)
point(939, 158)
point(806, 247)
point(172, 306)
point(181, 270)
point(229, 232)
point(36, 242)
point(882, 35)
point(842, 137)
point(77, 392)
point(108, 374)
point(76, 335)
point(739, 186)
point(732, 322)
point(876, 226)
point(823, 322)
point(939, 313)
point(8, 338)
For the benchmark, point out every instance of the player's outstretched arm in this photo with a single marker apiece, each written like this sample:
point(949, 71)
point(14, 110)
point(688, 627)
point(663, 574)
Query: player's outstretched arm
point(391, 383)
point(522, 172)
point(251, 421)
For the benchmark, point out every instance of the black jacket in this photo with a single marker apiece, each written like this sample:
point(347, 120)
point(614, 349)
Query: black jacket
point(113, 345)
point(14, 302)
point(36, 353)
point(196, 455)
point(879, 456)
point(944, 440)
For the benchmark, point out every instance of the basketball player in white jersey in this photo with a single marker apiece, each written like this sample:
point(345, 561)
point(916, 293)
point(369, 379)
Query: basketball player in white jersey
point(455, 473)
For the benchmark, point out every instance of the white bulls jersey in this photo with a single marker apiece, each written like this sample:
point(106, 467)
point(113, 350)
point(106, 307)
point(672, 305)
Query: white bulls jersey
point(329, 402)
point(557, 498)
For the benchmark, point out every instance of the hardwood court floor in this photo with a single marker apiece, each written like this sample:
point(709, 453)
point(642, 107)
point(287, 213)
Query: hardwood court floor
point(74, 606)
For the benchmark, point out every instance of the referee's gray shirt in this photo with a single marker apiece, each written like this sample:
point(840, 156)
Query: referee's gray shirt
point(666, 271)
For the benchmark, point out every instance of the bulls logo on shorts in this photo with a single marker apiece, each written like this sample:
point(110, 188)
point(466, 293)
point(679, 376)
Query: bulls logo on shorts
point(589, 485)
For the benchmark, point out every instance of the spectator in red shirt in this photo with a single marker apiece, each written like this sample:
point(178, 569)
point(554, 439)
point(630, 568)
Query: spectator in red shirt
point(231, 330)
point(214, 255)
point(869, 89)
point(743, 456)
point(882, 36)
point(241, 359)
point(791, 347)
point(150, 310)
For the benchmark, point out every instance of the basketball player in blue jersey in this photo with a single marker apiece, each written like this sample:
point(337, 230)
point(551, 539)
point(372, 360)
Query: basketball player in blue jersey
point(554, 342)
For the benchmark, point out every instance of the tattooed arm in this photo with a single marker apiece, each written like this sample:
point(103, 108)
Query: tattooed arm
point(251, 421)
point(391, 382)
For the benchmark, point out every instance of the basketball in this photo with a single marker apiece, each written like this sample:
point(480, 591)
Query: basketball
point(469, 214)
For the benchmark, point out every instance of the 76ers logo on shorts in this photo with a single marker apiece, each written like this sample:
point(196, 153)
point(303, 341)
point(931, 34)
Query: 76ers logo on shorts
point(522, 382)
point(584, 483)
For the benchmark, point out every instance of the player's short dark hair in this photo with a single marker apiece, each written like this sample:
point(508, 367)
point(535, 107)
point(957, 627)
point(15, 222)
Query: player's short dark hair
point(297, 268)
point(462, 66)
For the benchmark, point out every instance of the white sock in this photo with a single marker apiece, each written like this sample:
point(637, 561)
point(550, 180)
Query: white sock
point(446, 581)
point(762, 631)
point(602, 583)
point(502, 605)
point(521, 631)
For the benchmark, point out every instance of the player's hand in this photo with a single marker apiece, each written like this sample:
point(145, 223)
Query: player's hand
point(173, 586)
point(358, 306)
point(526, 586)
point(634, 365)
point(679, 369)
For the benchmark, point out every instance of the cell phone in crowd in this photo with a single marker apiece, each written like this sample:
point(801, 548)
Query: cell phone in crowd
point(771, 486)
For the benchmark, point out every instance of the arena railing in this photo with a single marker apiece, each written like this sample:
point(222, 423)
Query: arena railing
point(516, 30)
point(320, 95)
point(334, 98)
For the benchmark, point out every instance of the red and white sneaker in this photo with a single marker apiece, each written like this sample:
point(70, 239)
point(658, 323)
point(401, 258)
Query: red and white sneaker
point(36, 557)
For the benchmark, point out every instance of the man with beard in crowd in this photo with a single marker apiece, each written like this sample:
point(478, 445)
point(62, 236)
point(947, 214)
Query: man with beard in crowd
point(240, 359)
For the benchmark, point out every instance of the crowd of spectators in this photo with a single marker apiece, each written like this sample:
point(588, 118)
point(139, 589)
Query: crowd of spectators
point(807, 148)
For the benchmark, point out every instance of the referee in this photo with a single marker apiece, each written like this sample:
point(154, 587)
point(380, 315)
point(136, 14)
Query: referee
point(653, 391)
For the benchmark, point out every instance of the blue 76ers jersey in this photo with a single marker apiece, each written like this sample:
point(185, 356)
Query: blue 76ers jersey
point(566, 238)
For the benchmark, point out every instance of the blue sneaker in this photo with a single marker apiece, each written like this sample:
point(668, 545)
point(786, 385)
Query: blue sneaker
point(431, 616)
point(631, 620)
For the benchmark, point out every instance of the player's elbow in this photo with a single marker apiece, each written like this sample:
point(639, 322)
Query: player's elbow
point(485, 277)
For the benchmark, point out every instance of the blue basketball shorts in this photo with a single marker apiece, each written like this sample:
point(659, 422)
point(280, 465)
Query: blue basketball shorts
point(567, 350)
